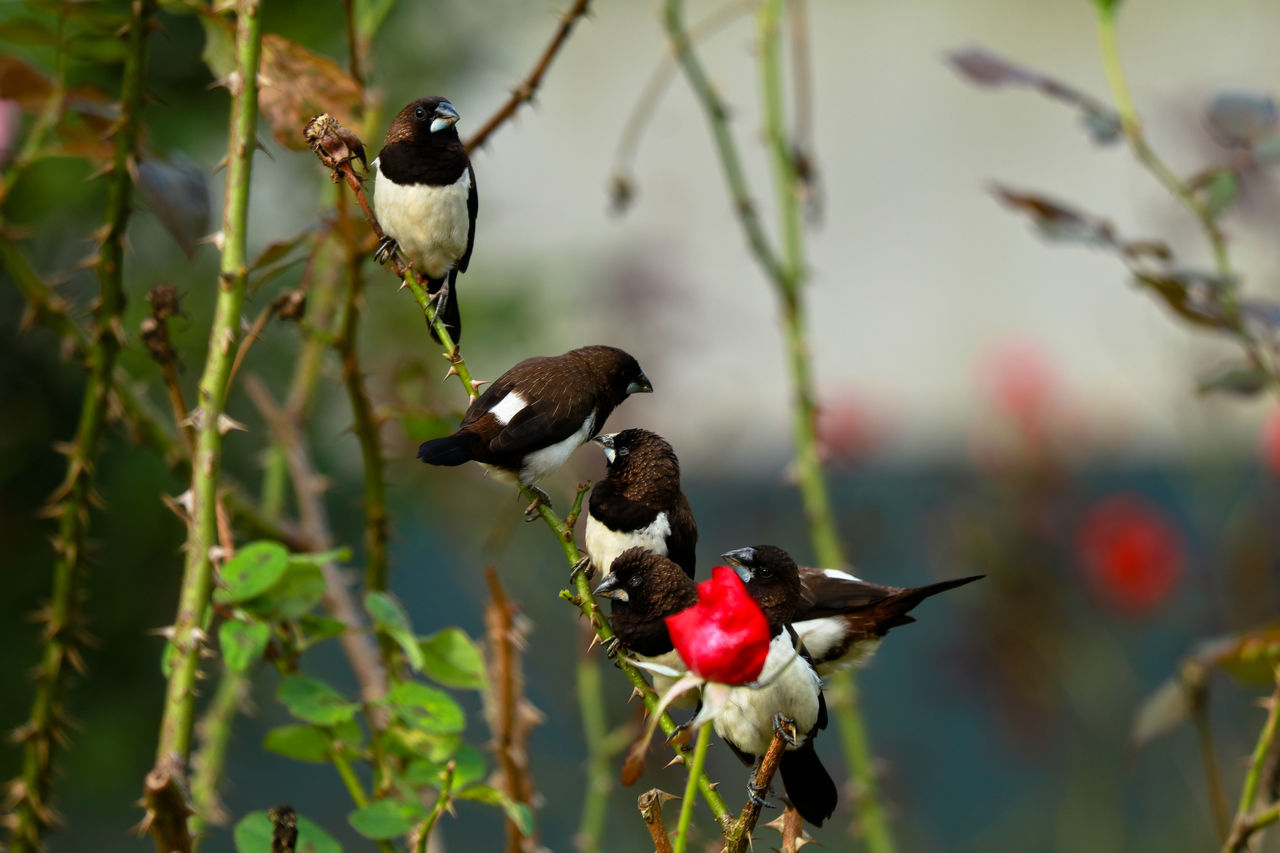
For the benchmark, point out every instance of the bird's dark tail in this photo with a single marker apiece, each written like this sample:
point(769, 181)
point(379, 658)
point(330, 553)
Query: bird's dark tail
point(450, 450)
point(809, 785)
point(896, 607)
point(450, 313)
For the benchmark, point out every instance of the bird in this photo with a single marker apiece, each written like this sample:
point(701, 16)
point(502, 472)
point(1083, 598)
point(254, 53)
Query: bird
point(644, 588)
point(840, 618)
point(639, 502)
point(424, 198)
point(528, 422)
point(788, 690)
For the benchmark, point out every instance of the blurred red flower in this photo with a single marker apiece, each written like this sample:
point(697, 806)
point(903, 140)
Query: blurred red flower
point(725, 636)
point(1021, 382)
point(848, 429)
point(1132, 554)
point(1270, 441)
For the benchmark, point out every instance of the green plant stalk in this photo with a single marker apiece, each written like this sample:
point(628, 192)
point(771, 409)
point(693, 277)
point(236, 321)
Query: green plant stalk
point(352, 783)
point(442, 802)
point(1249, 790)
point(175, 726)
point(214, 731)
point(691, 788)
point(595, 725)
point(1147, 157)
point(63, 632)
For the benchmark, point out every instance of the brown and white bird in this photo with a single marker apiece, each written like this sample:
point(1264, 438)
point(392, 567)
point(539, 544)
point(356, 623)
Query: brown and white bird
point(639, 503)
point(424, 196)
point(840, 618)
point(528, 422)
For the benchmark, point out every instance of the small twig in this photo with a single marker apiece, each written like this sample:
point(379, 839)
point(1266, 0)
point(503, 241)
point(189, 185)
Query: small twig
point(650, 804)
point(442, 804)
point(1245, 825)
point(524, 92)
point(510, 715)
point(284, 834)
point(1195, 686)
point(738, 838)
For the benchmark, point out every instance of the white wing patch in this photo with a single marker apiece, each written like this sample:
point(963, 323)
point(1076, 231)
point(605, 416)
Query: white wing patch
point(508, 407)
point(604, 545)
point(836, 574)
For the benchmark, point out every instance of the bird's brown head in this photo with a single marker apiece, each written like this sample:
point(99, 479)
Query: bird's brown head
point(426, 121)
point(772, 578)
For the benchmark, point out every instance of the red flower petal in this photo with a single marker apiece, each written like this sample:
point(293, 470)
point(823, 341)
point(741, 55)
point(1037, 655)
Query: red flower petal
point(725, 636)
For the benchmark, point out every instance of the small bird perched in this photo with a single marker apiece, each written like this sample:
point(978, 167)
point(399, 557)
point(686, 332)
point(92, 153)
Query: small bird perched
point(645, 587)
point(639, 503)
point(424, 196)
point(840, 618)
point(537, 413)
point(790, 690)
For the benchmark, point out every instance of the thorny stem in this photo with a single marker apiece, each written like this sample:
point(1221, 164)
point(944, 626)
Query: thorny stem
point(214, 734)
point(595, 800)
point(175, 727)
point(691, 788)
point(63, 631)
point(1244, 825)
point(1229, 292)
point(528, 87)
point(739, 837)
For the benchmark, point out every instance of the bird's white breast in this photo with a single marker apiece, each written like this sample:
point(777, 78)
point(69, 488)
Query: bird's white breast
point(431, 224)
point(548, 460)
point(793, 687)
point(604, 545)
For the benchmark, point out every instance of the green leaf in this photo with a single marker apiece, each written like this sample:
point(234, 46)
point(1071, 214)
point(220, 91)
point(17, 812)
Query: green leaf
point(253, 835)
point(319, 558)
point(313, 701)
point(519, 813)
point(386, 818)
point(316, 629)
point(254, 569)
point(302, 743)
point(1221, 192)
point(410, 743)
point(452, 659)
point(242, 643)
point(301, 589)
point(390, 618)
point(431, 710)
point(469, 768)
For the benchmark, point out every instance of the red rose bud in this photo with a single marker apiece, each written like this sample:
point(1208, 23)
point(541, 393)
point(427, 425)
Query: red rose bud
point(725, 636)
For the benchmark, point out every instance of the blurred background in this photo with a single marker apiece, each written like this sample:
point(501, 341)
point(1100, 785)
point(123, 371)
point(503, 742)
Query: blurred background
point(991, 403)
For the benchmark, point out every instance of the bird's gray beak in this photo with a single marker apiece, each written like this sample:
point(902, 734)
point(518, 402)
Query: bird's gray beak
point(609, 589)
point(445, 116)
point(606, 441)
point(738, 560)
point(641, 384)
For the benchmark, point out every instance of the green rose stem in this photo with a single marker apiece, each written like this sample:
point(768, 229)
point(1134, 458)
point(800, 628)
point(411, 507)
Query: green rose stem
point(63, 632)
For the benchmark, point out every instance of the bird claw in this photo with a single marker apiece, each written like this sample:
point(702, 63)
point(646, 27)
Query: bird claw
point(583, 566)
point(611, 647)
point(786, 728)
point(678, 735)
point(540, 497)
point(387, 248)
point(758, 794)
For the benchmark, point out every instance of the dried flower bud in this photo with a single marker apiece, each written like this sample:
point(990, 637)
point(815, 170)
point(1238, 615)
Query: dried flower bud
point(290, 305)
point(333, 143)
point(164, 301)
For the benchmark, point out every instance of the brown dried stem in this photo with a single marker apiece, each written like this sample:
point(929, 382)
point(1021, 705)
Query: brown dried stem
point(510, 714)
point(738, 837)
point(650, 804)
point(166, 808)
point(524, 92)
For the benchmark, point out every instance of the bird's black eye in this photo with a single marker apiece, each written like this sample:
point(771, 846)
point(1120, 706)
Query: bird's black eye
point(419, 113)
point(622, 451)
point(635, 580)
point(764, 572)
